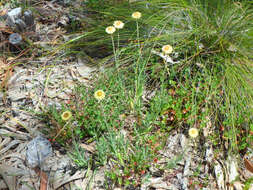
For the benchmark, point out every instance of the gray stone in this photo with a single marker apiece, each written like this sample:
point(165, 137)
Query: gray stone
point(37, 151)
point(13, 15)
point(15, 39)
point(28, 18)
point(20, 25)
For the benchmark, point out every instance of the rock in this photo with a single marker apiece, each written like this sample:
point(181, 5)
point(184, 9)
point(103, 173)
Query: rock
point(29, 19)
point(20, 22)
point(219, 175)
point(12, 16)
point(37, 151)
point(232, 167)
point(20, 25)
point(15, 39)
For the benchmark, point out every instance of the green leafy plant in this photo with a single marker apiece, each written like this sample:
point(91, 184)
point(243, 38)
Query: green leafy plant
point(80, 157)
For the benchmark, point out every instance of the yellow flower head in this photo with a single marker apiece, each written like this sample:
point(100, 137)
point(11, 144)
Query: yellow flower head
point(118, 24)
point(66, 115)
point(110, 29)
point(193, 132)
point(167, 49)
point(136, 15)
point(99, 95)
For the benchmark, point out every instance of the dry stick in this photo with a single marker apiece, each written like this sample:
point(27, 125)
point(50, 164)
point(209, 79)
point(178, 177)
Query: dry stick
point(43, 180)
point(61, 130)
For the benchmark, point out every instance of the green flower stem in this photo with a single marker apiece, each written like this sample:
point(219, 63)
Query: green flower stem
point(118, 40)
point(138, 35)
point(138, 71)
point(103, 116)
point(166, 66)
point(114, 51)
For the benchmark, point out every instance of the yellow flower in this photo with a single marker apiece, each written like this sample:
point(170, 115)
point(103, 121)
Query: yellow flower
point(136, 15)
point(99, 95)
point(167, 49)
point(193, 132)
point(66, 115)
point(110, 29)
point(118, 24)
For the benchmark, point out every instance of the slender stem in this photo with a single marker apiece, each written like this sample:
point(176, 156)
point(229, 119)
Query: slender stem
point(103, 115)
point(118, 40)
point(166, 66)
point(137, 83)
point(61, 130)
point(138, 39)
point(114, 52)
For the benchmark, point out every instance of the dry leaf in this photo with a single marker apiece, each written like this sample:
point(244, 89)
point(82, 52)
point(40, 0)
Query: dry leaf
point(248, 164)
point(88, 147)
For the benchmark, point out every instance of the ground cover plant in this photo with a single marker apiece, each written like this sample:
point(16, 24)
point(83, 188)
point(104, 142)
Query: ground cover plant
point(207, 81)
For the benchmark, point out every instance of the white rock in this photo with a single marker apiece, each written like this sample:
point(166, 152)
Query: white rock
point(219, 175)
point(231, 165)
